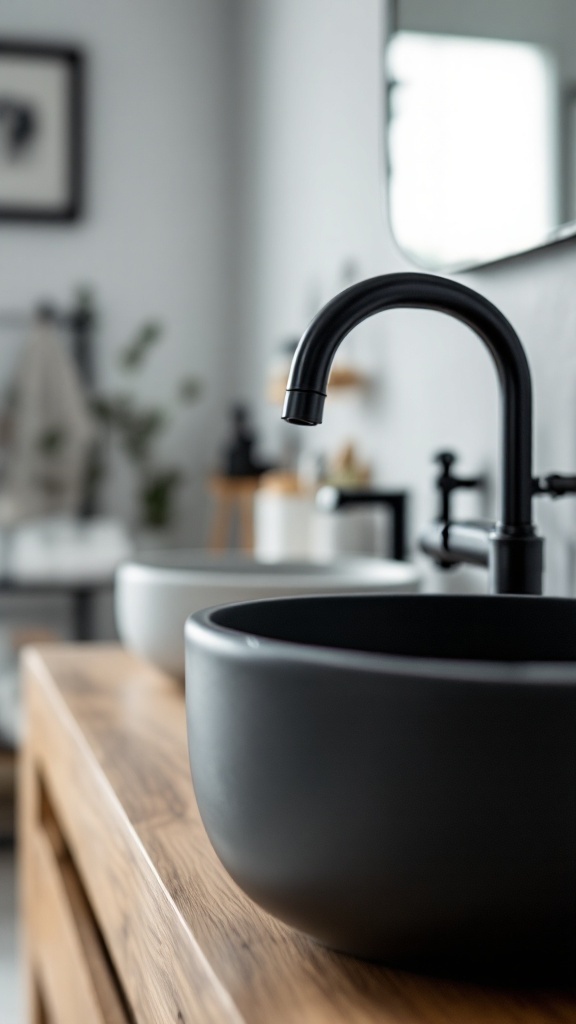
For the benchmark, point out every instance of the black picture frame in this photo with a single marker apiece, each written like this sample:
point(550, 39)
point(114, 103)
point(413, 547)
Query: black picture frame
point(64, 66)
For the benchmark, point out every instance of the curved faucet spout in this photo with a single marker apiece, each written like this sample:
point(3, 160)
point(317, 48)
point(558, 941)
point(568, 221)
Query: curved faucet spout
point(515, 552)
point(308, 382)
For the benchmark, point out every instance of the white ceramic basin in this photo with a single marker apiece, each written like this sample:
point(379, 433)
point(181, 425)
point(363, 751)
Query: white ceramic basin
point(155, 594)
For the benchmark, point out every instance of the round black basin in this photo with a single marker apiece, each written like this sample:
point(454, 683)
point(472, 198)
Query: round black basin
point(396, 775)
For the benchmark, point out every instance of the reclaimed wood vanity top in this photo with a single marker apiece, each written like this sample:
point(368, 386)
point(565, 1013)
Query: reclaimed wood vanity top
point(107, 734)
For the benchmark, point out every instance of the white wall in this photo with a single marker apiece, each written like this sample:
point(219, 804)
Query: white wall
point(153, 242)
point(235, 155)
point(312, 198)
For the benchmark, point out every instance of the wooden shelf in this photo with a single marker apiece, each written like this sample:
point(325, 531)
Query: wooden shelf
point(129, 916)
point(341, 379)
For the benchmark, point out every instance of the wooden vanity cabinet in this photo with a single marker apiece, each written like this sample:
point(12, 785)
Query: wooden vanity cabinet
point(129, 917)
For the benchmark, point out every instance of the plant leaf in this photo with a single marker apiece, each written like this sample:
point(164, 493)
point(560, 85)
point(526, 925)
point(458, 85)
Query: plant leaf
point(136, 351)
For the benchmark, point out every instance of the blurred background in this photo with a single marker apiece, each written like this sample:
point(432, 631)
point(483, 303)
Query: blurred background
point(182, 186)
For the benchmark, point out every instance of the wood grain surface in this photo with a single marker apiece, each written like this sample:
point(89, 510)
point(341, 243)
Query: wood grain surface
point(106, 744)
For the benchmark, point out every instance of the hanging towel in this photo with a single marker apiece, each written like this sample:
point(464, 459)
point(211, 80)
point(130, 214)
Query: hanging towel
point(52, 430)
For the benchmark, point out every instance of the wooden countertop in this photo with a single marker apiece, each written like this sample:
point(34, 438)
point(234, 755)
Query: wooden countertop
point(188, 945)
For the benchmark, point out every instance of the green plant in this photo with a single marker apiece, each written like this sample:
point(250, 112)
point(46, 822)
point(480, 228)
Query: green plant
point(138, 429)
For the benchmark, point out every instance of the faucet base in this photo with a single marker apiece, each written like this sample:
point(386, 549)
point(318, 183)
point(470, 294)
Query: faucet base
point(515, 563)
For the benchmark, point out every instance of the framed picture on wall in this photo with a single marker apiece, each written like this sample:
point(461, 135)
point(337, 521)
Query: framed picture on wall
point(40, 132)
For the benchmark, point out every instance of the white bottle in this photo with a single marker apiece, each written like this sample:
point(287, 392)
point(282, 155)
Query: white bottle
point(283, 515)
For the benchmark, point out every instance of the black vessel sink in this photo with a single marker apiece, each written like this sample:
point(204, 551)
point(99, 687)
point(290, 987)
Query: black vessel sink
point(396, 775)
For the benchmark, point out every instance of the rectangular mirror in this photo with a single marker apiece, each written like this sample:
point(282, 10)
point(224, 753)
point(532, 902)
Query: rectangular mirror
point(481, 128)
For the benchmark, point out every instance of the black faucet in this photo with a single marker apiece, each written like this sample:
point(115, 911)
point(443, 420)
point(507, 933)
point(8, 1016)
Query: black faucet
point(330, 499)
point(474, 533)
point(511, 547)
point(447, 483)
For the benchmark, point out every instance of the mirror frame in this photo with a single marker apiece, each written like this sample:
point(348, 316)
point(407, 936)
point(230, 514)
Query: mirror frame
point(563, 233)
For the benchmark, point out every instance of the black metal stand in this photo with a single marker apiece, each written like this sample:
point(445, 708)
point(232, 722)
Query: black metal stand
point(83, 599)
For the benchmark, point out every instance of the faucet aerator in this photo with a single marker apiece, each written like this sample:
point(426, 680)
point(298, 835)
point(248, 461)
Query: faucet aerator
point(304, 408)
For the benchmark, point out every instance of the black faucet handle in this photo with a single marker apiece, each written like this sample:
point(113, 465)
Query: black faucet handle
point(555, 485)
